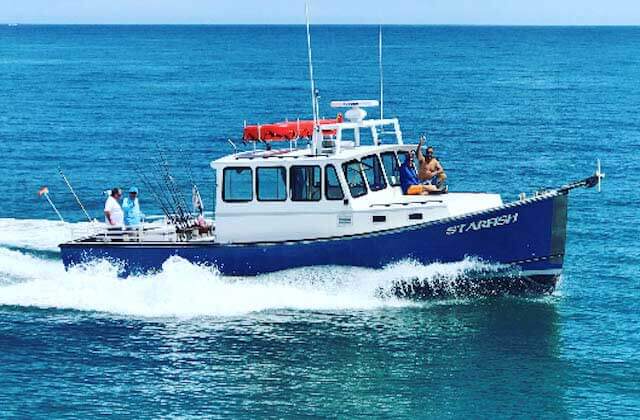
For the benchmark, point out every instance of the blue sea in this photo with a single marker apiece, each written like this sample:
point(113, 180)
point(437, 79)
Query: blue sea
point(508, 109)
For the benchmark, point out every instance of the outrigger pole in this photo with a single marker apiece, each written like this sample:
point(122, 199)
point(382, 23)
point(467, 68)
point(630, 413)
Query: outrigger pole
point(44, 191)
point(66, 181)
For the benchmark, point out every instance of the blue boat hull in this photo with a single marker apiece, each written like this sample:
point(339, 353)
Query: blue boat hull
point(527, 236)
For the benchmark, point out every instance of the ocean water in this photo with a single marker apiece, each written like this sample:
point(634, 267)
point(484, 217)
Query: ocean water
point(507, 109)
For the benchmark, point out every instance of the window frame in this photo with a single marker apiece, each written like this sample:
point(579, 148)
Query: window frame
point(224, 183)
point(380, 167)
point(286, 186)
point(395, 157)
point(291, 183)
point(362, 176)
point(326, 183)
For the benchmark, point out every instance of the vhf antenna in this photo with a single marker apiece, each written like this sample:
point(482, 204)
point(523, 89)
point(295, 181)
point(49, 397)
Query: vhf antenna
point(381, 72)
point(314, 92)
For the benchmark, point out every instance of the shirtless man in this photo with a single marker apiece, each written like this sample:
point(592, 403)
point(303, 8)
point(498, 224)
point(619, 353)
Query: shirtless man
point(430, 170)
point(409, 181)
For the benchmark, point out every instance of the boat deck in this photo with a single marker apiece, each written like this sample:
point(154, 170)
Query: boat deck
point(149, 233)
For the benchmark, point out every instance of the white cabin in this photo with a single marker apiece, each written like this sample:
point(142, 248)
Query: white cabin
point(345, 182)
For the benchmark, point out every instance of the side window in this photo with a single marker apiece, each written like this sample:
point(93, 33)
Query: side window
point(305, 183)
point(332, 187)
point(271, 184)
point(373, 172)
point(355, 180)
point(391, 167)
point(237, 184)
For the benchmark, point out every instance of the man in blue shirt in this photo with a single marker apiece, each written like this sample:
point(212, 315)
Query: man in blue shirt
point(409, 181)
point(131, 207)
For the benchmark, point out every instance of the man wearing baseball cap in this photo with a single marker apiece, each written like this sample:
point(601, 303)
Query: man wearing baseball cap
point(131, 207)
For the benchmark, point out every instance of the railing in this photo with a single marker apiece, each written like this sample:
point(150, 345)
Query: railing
point(142, 233)
point(154, 229)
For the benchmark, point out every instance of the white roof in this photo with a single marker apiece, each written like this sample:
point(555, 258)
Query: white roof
point(303, 155)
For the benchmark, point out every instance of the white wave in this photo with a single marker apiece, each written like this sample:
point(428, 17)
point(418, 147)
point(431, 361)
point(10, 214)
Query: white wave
point(183, 289)
point(40, 234)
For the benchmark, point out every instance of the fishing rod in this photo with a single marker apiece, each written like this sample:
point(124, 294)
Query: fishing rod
point(173, 214)
point(178, 190)
point(172, 199)
point(180, 211)
point(196, 198)
point(189, 171)
point(153, 191)
point(66, 181)
point(173, 187)
point(181, 219)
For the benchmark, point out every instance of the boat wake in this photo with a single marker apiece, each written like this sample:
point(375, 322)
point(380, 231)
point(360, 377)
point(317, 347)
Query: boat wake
point(183, 289)
point(39, 234)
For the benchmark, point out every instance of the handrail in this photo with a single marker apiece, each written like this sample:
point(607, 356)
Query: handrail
point(405, 203)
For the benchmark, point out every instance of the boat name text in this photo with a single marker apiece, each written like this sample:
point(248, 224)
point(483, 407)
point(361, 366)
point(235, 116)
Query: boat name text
point(505, 219)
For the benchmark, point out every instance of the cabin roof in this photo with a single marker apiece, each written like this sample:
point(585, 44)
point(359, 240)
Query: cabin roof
point(302, 155)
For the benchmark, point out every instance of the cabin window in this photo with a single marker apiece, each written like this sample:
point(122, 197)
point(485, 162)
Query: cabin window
point(271, 184)
point(237, 184)
point(355, 180)
point(305, 183)
point(373, 172)
point(333, 189)
point(391, 167)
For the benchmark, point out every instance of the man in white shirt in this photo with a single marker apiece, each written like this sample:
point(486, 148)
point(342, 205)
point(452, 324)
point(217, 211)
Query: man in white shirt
point(113, 215)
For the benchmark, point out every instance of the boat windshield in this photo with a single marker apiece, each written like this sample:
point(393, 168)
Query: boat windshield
point(353, 174)
point(333, 190)
point(391, 167)
point(373, 172)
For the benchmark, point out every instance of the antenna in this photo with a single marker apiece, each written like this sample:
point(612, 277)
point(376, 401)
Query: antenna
point(381, 72)
point(314, 93)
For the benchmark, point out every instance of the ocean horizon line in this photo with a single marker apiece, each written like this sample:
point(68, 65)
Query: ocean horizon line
point(368, 24)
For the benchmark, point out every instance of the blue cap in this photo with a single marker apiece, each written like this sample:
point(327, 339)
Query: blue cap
point(133, 190)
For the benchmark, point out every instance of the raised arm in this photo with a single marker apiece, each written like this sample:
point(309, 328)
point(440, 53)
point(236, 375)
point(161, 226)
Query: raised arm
point(419, 150)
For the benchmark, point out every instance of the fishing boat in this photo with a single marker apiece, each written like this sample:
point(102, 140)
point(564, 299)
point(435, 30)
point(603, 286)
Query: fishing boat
point(338, 202)
point(326, 192)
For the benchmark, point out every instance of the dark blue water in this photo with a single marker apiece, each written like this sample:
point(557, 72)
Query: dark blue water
point(508, 110)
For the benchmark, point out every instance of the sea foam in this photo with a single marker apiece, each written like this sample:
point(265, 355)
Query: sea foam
point(39, 234)
point(183, 289)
